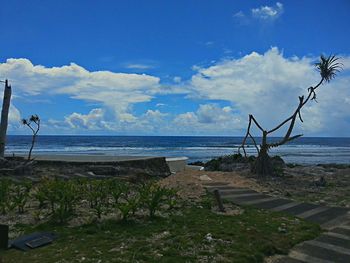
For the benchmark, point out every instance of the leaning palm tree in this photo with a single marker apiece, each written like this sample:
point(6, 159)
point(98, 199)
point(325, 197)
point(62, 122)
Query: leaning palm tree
point(328, 67)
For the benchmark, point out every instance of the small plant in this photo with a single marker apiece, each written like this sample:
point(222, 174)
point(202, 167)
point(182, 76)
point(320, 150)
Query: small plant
point(152, 196)
point(6, 204)
point(96, 192)
point(33, 120)
point(171, 198)
point(20, 195)
point(116, 189)
point(61, 196)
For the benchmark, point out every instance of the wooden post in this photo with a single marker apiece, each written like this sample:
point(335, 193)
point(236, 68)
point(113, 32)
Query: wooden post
point(4, 118)
point(4, 233)
point(219, 201)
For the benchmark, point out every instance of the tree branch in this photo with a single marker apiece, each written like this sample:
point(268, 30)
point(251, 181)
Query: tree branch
point(251, 118)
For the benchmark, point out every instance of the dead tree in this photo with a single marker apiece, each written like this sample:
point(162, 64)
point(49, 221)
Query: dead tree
point(36, 120)
point(4, 117)
point(328, 68)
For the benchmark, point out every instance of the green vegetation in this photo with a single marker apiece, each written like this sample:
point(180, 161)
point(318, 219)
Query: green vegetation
point(58, 200)
point(191, 233)
point(13, 195)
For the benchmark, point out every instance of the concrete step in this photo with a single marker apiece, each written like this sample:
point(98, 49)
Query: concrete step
point(301, 208)
point(272, 203)
point(328, 215)
point(323, 252)
point(340, 242)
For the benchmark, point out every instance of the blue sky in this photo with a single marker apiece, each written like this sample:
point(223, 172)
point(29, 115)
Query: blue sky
point(172, 67)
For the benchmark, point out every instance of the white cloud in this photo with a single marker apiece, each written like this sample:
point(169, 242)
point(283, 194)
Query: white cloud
point(209, 117)
point(239, 14)
point(268, 12)
point(92, 121)
point(263, 13)
point(265, 85)
point(177, 79)
point(268, 85)
point(138, 66)
point(116, 91)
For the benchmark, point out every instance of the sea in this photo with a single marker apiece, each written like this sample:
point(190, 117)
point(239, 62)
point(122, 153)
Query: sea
point(304, 150)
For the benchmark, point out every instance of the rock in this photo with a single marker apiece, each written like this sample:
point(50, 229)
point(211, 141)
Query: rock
point(209, 237)
point(205, 177)
point(3, 162)
point(321, 182)
point(282, 230)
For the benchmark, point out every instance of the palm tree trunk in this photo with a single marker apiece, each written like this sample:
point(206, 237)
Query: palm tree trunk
point(4, 118)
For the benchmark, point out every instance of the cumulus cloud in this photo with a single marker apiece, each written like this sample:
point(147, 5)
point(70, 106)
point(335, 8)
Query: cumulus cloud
point(268, 12)
point(263, 13)
point(116, 91)
point(92, 121)
point(209, 117)
point(268, 85)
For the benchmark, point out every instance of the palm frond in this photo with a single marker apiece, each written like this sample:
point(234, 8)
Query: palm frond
point(328, 67)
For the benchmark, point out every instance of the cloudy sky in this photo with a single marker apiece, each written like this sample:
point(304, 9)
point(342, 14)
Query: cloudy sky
point(181, 67)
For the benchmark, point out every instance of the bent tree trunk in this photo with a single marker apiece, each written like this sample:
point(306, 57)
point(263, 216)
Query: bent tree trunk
point(4, 118)
point(328, 67)
point(263, 165)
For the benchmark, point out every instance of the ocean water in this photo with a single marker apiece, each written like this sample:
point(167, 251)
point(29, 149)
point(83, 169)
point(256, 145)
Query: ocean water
point(305, 150)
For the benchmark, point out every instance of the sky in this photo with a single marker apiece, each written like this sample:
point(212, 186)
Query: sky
point(176, 67)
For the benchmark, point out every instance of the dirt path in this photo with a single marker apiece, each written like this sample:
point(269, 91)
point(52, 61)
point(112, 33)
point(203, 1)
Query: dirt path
point(190, 183)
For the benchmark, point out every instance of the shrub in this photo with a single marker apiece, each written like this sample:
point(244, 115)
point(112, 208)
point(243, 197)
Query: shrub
point(60, 195)
point(152, 197)
point(20, 194)
point(96, 192)
point(6, 204)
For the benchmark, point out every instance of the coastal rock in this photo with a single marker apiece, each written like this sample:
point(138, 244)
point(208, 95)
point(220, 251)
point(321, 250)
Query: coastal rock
point(3, 162)
point(205, 177)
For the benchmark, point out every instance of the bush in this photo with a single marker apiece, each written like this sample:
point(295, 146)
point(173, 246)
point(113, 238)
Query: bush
point(60, 195)
point(152, 197)
point(6, 204)
point(20, 194)
point(96, 192)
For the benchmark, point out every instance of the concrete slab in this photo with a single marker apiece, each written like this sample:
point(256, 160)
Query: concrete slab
point(258, 201)
point(247, 198)
point(337, 235)
point(307, 258)
point(329, 246)
point(322, 253)
point(227, 192)
point(216, 184)
point(288, 260)
point(312, 212)
point(334, 241)
point(272, 203)
point(341, 220)
point(242, 194)
point(85, 158)
point(342, 231)
point(328, 215)
point(284, 207)
point(177, 164)
point(301, 208)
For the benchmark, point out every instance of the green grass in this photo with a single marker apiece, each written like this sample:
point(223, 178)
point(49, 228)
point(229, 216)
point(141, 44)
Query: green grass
point(248, 237)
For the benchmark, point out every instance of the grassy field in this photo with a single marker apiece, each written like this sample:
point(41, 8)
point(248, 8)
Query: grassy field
point(193, 233)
